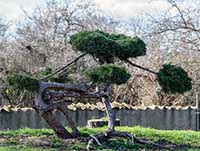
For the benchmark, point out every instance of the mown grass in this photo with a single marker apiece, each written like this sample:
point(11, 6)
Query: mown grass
point(27, 131)
point(24, 148)
point(189, 138)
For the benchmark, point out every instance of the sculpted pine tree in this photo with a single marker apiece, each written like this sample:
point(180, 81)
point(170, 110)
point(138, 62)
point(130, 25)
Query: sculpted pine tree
point(106, 49)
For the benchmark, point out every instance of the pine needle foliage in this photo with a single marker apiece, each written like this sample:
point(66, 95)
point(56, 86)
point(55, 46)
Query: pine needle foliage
point(174, 79)
point(23, 82)
point(109, 73)
point(94, 43)
point(101, 44)
point(130, 48)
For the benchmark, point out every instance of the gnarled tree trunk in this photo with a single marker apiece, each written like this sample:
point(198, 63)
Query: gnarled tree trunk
point(45, 104)
point(58, 128)
point(46, 107)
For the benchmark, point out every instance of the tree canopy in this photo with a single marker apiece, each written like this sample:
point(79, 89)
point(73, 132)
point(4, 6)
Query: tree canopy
point(172, 79)
point(109, 73)
point(23, 82)
point(101, 44)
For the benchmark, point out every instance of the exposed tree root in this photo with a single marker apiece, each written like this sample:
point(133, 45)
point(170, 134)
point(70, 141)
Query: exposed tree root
point(109, 134)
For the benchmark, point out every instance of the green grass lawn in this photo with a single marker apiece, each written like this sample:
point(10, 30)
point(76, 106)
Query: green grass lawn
point(45, 140)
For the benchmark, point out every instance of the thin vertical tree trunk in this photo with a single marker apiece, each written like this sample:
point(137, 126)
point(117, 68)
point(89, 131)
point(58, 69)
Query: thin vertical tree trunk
point(109, 111)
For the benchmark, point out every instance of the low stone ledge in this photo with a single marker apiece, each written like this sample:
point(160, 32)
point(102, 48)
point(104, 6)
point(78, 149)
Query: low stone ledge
point(93, 123)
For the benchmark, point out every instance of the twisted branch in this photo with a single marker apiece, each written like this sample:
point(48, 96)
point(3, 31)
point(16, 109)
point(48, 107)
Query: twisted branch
point(63, 68)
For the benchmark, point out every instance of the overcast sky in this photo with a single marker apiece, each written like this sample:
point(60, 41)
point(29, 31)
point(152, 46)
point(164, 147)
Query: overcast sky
point(128, 8)
point(12, 8)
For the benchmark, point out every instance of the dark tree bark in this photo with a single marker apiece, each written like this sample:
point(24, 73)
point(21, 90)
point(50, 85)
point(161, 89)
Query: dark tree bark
point(45, 104)
point(46, 107)
point(63, 109)
point(58, 128)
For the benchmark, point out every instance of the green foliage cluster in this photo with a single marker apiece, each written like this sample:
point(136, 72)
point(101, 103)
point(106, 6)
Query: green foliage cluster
point(60, 78)
point(94, 43)
point(101, 44)
point(129, 47)
point(109, 73)
point(112, 35)
point(174, 79)
point(22, 82)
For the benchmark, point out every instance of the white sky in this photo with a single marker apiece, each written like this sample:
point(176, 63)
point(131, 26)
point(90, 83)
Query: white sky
point(12, 8)
point(126, 8)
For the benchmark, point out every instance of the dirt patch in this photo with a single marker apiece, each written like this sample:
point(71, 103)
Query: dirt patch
point(172, 145)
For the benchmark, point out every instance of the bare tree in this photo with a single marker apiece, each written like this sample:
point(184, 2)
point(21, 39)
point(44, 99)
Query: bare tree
point(171, 37)
point(4, 36)
point(180, 26)
point(40, 40)
point(46, 32)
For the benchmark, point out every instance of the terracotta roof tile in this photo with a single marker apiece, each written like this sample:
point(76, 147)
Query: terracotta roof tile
point(99, 106)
